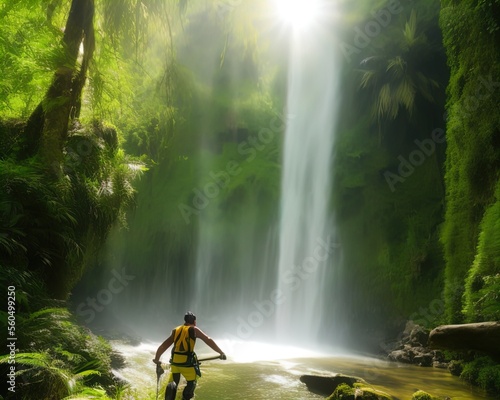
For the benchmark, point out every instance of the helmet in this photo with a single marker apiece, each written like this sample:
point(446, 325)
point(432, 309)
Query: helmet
point(189, 317)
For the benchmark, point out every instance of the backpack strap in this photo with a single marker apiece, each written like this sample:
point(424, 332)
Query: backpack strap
point(188, 353)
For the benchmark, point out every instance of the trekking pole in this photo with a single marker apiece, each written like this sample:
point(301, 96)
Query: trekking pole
point(159, 372)
point(209, 358)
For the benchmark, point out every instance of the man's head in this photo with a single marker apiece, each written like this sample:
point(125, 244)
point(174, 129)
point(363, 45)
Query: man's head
point(189, 318)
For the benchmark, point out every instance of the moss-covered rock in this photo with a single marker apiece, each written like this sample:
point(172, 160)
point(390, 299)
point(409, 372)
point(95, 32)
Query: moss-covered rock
point(358, 391)
point(421, 395)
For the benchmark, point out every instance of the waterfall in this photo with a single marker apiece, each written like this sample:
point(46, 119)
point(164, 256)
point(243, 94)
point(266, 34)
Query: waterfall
point(281, 291)
point(307, 245)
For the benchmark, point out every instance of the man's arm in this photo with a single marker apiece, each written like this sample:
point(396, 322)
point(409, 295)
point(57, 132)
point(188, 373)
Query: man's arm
point(209, 341)
point(163, 347)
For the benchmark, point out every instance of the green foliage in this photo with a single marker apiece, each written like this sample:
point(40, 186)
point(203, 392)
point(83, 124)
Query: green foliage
point(57, 357)
point(402, 70)
point(488, 9)
point(56, 228)
point(472, 159)
point(396, 80)
point(484, 373)
point(28, 206)
point(28, 46)
point(58, 381)
point(54, 330)
point(482, 289)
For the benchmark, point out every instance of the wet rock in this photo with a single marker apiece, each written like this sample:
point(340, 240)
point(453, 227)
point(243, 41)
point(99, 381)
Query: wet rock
point(438, 356)
point(439, 364)
point(455, 367)
point(419, 336)
point(326, 385)
point(424, 360)
point(412, 348)
point(402, 356)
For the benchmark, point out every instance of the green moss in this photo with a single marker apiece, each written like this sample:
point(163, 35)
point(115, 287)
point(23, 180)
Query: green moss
point(472, 158)
point(481, 298)
point(421, 395)
point(342, 391)
point(358, 391)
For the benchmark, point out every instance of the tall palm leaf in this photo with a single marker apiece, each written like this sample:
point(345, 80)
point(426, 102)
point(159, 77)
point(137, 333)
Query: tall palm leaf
point(395, 81)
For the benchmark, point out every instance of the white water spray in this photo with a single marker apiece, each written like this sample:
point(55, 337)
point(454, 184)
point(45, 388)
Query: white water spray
point(306, 238)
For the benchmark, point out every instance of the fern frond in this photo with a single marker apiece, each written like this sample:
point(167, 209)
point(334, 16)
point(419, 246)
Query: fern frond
point(410, 30)
point(396, 67)
point(384, 100)
point(367, 79)
point(405, 94)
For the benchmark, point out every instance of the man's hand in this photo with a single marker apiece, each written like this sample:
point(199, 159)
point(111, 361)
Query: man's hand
point(223, 357)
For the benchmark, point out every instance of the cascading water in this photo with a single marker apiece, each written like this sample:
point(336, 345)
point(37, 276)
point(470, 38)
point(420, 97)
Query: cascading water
point(307, 246)
point(256, 291)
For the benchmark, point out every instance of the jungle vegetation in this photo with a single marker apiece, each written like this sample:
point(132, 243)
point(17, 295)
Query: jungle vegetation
point(106, 114)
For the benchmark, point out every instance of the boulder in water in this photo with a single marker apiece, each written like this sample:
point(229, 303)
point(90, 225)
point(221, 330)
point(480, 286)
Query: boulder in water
point(326, 385)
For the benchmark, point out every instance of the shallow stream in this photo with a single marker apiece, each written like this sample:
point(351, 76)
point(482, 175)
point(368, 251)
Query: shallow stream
point(256, 371)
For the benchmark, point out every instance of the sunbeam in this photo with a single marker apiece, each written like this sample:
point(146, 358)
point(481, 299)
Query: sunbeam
point(300, 14)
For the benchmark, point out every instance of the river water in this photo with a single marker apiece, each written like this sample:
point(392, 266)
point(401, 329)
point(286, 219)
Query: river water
point(256, 371)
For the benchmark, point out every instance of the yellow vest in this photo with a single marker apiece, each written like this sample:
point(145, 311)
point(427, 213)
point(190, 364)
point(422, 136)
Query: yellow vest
point(183, 350)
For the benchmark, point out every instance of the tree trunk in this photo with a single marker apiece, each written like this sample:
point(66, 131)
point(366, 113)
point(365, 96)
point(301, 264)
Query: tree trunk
point(47, 127)
point(480, 336)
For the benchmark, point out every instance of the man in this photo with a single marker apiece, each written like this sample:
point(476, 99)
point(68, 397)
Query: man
point(183, 360)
